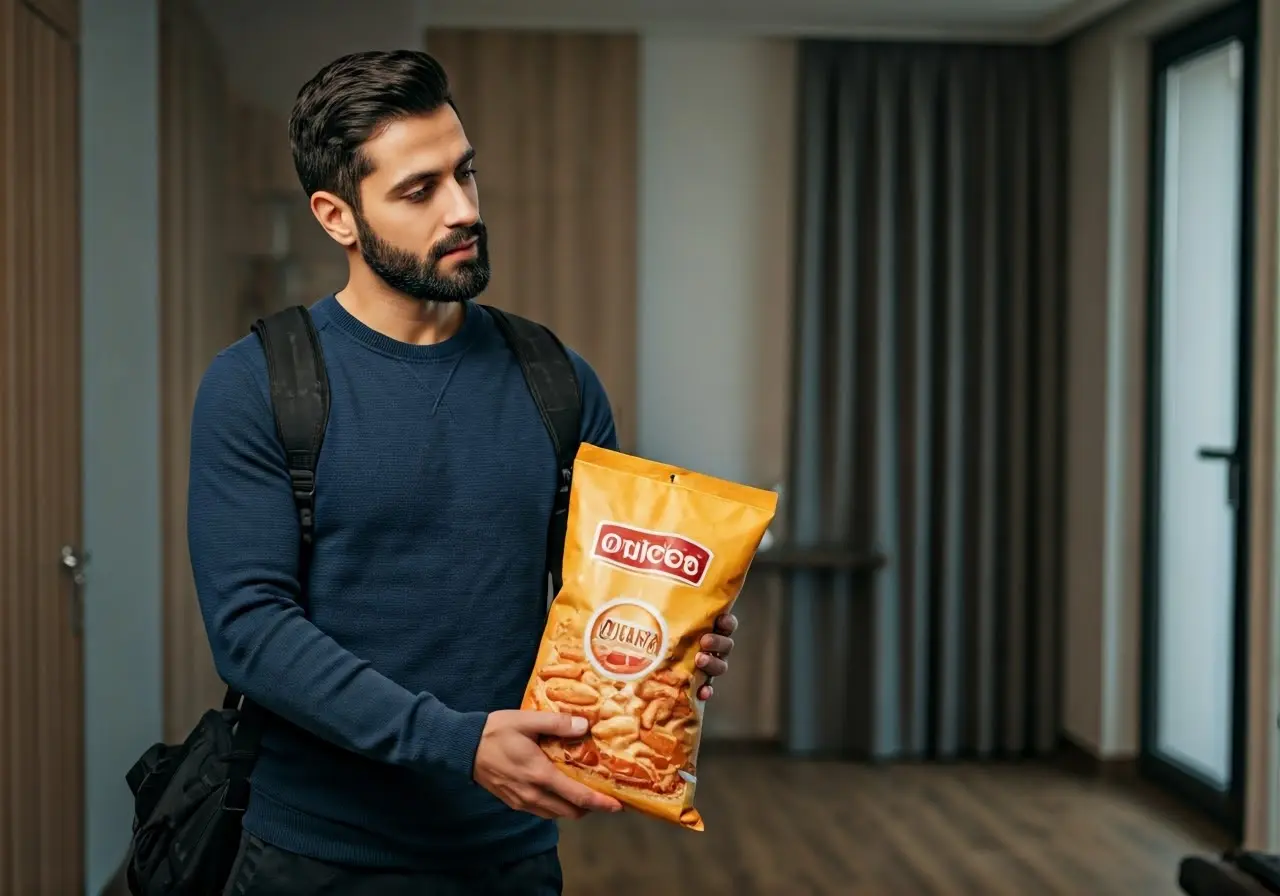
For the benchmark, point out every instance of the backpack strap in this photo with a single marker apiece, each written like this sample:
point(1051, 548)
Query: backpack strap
point(300, 404)
point(553, 382)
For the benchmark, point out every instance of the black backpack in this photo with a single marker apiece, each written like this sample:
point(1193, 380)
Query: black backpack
point(189, 798)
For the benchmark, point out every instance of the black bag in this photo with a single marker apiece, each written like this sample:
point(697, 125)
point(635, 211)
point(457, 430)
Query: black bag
point(189, 798)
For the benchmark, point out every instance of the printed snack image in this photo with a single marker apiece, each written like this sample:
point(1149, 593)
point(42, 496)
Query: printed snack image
point(654, 555)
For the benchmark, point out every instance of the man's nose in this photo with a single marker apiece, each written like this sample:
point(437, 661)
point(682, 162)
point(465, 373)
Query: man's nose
point(463, 210)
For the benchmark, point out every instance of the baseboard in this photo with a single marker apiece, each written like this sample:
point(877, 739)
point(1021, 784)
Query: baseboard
point(1084, 761)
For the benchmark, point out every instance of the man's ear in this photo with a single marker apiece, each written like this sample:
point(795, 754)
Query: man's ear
point(335, 216)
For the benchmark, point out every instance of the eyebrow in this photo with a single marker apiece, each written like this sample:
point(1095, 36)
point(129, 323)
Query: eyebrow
point(426, 176)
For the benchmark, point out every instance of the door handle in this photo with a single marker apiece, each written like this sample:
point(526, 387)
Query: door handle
point(1231, 458)
point(73, 563)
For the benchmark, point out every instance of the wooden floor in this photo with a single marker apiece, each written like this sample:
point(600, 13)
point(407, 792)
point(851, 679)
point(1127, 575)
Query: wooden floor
point(777, 826)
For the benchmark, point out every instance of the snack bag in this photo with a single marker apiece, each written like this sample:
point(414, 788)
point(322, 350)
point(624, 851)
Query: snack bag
point(654, 555)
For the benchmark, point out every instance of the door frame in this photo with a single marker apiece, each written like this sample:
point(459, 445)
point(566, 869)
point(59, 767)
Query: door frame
point(1237, 21)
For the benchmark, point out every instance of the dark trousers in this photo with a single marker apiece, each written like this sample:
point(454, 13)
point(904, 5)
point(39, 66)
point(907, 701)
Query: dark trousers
point(263, 870)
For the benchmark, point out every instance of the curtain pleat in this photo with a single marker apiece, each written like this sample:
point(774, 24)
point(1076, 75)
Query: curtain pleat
point(927, 400)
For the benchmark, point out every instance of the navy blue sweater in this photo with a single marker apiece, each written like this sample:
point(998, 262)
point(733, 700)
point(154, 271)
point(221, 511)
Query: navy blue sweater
point(427, 588)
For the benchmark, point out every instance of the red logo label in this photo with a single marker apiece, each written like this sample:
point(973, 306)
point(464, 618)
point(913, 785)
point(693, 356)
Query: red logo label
point(654, 553)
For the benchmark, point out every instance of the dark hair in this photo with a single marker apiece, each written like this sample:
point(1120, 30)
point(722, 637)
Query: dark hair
point(347, 103)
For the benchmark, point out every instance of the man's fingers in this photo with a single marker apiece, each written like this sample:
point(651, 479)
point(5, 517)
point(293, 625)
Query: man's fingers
point(554, 724)
point(720, 644)
point(714, 666)
point(727, 624)
point(546, 804)
point(552, 790)
point(562, 791)
point(582, 796)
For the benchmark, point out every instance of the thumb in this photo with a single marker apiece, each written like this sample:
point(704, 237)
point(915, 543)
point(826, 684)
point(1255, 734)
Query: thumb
point(555, 724)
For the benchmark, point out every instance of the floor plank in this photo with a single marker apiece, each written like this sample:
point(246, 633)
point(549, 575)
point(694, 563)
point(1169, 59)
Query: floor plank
point(777, 826)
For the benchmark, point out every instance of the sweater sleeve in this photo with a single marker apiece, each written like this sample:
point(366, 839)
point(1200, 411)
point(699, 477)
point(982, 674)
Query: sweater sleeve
point(597, 414)
point(244, 538)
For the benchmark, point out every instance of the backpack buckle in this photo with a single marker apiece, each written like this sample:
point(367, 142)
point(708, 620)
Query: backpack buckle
point(304, 484)
point(235, 796)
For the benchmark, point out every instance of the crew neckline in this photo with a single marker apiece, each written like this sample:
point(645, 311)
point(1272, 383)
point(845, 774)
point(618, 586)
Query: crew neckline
point(330, 310)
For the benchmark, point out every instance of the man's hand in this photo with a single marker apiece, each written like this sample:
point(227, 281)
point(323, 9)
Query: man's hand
point(714, 658)
point(511, 766)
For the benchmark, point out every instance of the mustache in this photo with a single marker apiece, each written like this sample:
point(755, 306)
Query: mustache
point(457, 238)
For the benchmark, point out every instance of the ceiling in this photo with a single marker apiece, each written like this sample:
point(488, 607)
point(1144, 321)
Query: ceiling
point(273, 46)
point(996, 20)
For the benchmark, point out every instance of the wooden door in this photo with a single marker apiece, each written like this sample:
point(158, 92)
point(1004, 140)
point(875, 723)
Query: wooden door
point(41, 686)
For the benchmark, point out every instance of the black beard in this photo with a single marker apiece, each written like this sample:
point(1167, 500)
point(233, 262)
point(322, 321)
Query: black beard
point(421, 278)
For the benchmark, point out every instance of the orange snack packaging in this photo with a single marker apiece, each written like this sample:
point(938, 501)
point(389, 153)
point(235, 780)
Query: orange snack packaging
point(653, 556)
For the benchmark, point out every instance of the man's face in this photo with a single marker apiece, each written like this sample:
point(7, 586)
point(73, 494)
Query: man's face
point(419, 226)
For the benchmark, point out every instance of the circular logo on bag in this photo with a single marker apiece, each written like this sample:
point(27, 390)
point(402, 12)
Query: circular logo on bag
point(625, 639)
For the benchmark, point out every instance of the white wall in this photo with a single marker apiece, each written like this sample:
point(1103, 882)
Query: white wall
point(717, 160)
point(1102, 551)
point(715, 257)
point(1089, 166)
point(119, 115)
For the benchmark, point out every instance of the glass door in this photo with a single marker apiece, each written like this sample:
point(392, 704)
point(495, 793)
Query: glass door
point(1198, 422)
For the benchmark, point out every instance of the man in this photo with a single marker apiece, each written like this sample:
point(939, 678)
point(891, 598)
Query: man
point(397, 762)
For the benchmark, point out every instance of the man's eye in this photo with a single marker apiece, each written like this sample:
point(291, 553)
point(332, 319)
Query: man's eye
point(419, 195)
point(467, 173)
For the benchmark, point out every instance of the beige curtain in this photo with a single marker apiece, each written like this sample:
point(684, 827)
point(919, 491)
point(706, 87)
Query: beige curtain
point(927, 399)
point(198, 317)
point(553, 119)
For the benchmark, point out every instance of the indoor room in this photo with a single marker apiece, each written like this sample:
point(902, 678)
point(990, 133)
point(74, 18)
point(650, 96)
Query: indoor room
point(982, 294)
